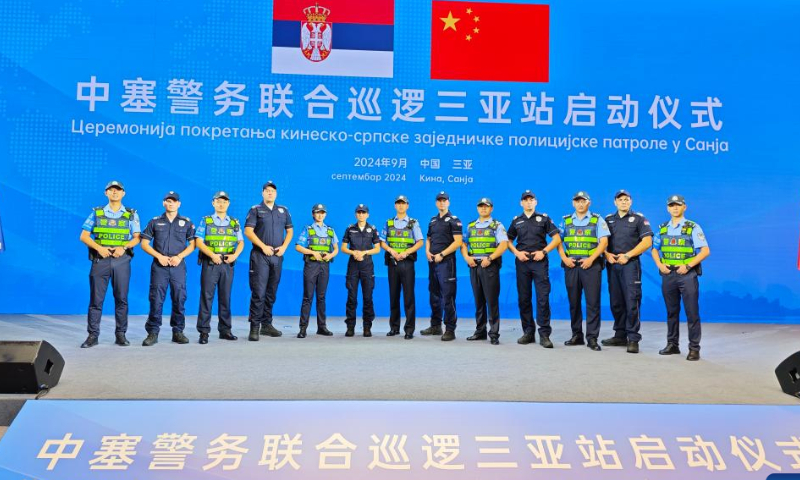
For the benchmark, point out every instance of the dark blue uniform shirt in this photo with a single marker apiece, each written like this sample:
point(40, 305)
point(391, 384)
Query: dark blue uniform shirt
point(531, 233)
point(627, 231)
point(442, 230)
point(269, 224)
point(356, 239)
point(169, 238)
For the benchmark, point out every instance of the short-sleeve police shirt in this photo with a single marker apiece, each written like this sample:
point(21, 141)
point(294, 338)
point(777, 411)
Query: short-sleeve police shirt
point(531, 232)
point(169, 238)
point(627, 231)
point(442, 231)
point(269, 224)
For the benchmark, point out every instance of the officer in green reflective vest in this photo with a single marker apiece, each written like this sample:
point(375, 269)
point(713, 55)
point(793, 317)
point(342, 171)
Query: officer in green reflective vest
point(585, 237)
point(110, 232)
point(483, 249)
point(678, 249)
point(220, 241)
point(401, 237)
point(319, 244)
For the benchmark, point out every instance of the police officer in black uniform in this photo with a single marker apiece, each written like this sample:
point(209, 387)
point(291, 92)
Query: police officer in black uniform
point(220, 241)
point(483, 250)
point(401, 237)
point(110, 232)
point(631, 236)
point(269, 227)
point(444, 238)
point(530, 229)
point(172, 238)
point(361, 242)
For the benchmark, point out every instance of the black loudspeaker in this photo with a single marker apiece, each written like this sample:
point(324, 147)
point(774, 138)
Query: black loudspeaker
point(788, 373)
point(29, 367)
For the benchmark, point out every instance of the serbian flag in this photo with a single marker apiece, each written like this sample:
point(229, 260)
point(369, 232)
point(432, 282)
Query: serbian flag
point(506, 42)
point(351, 38)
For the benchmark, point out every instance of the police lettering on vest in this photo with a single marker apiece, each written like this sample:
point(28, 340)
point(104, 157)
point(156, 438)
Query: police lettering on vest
point(220, 240)
point(319, 244)
point(401, 239)
point(677, 249)
point(482, 241)
point(111, 232)
point(580, 242)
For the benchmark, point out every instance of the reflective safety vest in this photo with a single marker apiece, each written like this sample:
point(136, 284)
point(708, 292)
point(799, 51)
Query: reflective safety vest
point(676, 249)
point(482, 241)
point(319, 244)
point(221, 240)
point(580, 242)
point(400, 239)
point(112, 232)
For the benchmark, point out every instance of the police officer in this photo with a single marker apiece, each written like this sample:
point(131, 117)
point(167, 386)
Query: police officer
point(110, 232)
point(172, 240)
point(220, 241)
point(269, 227)
point(401, 237)
point(360, 241)
point(585, 237)
point(678, 250)
point(530, 229)
point(319, 244)
point(483, 251)
point(444, 237)
point(631, 236)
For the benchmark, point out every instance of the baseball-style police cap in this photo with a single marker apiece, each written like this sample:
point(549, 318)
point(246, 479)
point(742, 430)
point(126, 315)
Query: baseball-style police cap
point(115, 184)
point(621, 193)
point(319, 208)
point(676, 199)
point(222, 194)
point(362, 208)
point(401, 198)
point(442, 196)
point(172, 195)
point(526, 194)
point(485, 201)
point(269, 183)
point(582, 195)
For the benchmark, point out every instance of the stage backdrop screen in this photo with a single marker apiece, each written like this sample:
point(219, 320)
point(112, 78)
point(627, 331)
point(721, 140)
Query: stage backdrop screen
point(357, 101)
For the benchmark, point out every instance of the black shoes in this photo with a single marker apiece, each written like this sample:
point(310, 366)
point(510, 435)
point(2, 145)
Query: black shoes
point(494, 341)
point(694, 355)
point(448, 335)
point(545, 342)
point(179, 337)
point(392, 333)
point(477, 336)
point(592, 343)
point(90, 342)
point(432, 330)
point(302, 332)
point(615, 342)
point(527, 338)
point(324, 331)
point(409, 336)
point(351, 330)
point(227, 336)
point(121, 340)
point(152, 339)
point(671, 349)
point(633, 347)
point(270, 331)
point(575, 340)
point(367, 331)
point(203, 338)
point(253, 337)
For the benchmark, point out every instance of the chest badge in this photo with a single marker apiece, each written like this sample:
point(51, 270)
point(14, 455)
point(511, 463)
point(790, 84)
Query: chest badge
point(181, 223)
point(280, 210)
point(538, 218)
point(631, 219)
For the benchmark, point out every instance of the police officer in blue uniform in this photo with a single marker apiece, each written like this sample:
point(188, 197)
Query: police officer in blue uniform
point(220, 241)
point(269, 227)
point(530, 229)
point(401, 237)
point(172, 237)
point(110, 232)
point(444, 238)
point(585, 238)
point(631, 236)
point(319, 244)
point(361, 242)
point(483, 250)
point(678, 250)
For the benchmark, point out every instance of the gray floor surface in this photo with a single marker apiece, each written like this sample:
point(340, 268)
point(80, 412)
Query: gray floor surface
point(737, 366)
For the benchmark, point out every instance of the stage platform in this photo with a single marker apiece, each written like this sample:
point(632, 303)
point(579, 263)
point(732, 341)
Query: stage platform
point(737, 365)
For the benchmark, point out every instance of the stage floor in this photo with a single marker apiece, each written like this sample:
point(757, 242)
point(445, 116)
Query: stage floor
point(737, 366)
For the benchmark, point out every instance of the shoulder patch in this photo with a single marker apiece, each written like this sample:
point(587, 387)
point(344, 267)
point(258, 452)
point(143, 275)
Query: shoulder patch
point(255, 206)
point(515, 217)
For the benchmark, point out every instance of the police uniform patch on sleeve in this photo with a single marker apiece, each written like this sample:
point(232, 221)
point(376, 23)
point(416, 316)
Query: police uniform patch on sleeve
point(647, 222)
point(701, 236)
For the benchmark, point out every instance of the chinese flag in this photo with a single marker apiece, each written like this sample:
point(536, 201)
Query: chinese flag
point(506, 42)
